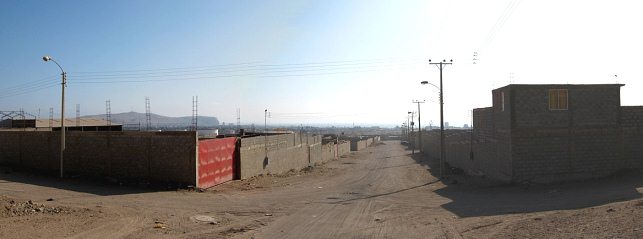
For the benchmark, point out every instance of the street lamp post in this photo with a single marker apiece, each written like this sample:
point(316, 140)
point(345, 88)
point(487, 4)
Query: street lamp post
point(62, 111)
point(440, 66)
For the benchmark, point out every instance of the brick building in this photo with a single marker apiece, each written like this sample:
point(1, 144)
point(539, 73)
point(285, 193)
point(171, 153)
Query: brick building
point(548, 133)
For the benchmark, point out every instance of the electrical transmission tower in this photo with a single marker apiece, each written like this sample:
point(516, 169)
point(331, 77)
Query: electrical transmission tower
point(195, 102)
point(148, 115)
point(108, 112)
point(77, 115)
point(238, 119)
point(51, 117)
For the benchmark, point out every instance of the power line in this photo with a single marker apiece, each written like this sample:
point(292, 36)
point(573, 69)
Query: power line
point(242, 71)
point(502, 19)
point(260, 75)
point(252, 65)
point(217, 71)
point(30, 84)
point(36, 87)
point(500, 22)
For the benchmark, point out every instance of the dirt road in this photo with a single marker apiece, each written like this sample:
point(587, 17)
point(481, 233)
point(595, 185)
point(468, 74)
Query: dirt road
point(381, 192)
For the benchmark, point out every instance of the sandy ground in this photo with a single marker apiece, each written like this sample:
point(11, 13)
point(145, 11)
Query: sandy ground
point(381, 192)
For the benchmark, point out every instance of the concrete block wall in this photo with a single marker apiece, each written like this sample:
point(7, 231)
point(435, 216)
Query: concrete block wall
point(357, 145)
point(550, 155)
point(315, 153)
point(329, 152)
point(632, 128)
point(284, 152)
point(520, 139)
point(490, 156)
point(334, 150)
point(343, 148)
point(502, 108)
point(595, 105)
point(136, 156)
point(369, 142)
point(483, 123)
point(32, 149)
point(583, 141)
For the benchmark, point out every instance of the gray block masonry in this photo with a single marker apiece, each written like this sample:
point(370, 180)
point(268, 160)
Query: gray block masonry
point(276, 154)
point(169, 157)
point(135, 156)
point(528, 136)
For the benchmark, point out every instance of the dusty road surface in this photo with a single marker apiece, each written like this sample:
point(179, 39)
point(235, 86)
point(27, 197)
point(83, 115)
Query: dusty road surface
point(380, 192)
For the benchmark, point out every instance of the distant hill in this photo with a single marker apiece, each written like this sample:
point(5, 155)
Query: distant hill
point(158, 120)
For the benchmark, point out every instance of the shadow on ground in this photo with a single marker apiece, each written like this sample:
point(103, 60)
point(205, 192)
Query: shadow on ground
point(102, 187)
point(476, 196)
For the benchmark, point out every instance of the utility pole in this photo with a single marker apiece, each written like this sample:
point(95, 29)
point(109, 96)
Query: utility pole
point(419, 123)
point(412, 131)
point(441, 66)
point(63, 84)
point(408, 128)
point(62, 123)
point(265, 131)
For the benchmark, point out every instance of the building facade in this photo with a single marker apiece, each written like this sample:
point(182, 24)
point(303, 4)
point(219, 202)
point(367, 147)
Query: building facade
point(549, 133)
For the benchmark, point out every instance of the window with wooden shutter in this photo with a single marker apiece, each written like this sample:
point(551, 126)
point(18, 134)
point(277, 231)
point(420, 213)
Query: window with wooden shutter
point(558, 99)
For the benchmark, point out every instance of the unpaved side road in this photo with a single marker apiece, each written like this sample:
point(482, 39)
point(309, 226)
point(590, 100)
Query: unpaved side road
point(381, 192)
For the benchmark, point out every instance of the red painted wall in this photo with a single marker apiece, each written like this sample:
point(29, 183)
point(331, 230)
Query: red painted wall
point(216, 161)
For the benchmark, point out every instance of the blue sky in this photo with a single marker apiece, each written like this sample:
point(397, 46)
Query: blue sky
point(307, 62)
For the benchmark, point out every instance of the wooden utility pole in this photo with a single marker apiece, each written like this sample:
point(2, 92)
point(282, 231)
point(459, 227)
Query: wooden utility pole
point(441, 66)
point(419, 124)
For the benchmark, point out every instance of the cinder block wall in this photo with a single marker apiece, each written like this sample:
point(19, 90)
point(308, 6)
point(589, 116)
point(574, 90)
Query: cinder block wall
point(632, 129)
point(581, 142)
point(357, 145)
point(136, 156)
point(332, 150)
point(329, 151)
point(343, 148)
point(315, 153)
point(491, 145)
point(30, 149)
point(283, 153)
point(522, 140)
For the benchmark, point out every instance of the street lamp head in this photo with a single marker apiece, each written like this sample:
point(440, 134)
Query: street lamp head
point(424, 82)
point(46, 58)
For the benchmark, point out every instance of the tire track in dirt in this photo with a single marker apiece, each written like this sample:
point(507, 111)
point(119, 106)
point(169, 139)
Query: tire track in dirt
point(363, 202)
point(127, 222)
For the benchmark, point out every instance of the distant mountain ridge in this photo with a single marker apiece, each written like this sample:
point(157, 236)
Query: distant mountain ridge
point(157, 120)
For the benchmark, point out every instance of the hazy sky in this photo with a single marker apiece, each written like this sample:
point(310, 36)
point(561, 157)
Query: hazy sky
point(308, 61)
